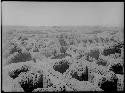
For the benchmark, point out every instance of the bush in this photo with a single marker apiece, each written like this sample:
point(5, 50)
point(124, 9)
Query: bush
point(80, 75)
point(14, 73)
point(112, 50)
point(20, 57)
point(117, 68)
point(15, 49)
point(12, 48)
point(30, 81)
point(61, 66)
point(107, 85)
point(92, 54)
point(101, 62)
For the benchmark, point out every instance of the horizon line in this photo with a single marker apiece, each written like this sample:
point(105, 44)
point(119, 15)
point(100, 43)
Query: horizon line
point(64, 26)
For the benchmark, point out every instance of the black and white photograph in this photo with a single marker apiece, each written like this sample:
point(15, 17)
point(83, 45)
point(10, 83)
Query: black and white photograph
point(62, 46)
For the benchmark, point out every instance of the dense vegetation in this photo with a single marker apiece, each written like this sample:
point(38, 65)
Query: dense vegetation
point(58, 62)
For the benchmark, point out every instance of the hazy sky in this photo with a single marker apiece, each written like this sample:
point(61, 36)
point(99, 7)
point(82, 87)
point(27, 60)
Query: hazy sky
point(63, 13)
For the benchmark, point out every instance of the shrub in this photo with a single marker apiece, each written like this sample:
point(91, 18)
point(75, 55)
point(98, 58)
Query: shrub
point(30, 81)
point(20, 57)
point(101, 62)
point(92, 54)
point(14, 73)
point(15, 49)
point(61, 66)
point(109, 83)
point(117, 68)
point(112, 50)
point(80, 75)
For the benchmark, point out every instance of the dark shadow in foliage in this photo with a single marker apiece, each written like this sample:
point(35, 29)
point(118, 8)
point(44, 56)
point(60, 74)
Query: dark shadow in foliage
point(109, 51)
point(114, 49)
point(82, 77)
point(101, 62)
point(21, 57)
point(94, 54)
point(117, 68)
point(61, 66)
point(108, 86)
point(31, 81)
point(120, 45)
point(14, 74)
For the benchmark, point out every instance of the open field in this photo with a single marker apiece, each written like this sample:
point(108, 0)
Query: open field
point(62, 58)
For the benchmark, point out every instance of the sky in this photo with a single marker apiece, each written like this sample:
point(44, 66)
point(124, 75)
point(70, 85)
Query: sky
point(62, 13)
